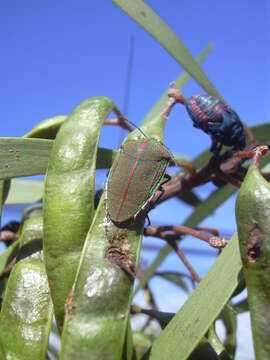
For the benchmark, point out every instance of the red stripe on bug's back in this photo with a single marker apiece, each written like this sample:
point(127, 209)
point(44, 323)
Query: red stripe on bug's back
point(130, 178)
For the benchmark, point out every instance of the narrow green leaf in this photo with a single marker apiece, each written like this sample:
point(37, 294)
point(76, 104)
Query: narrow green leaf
point(8, 255)
point(139, 11)
point(190, 198)
point(253, 214)
point(4, 189)
point(26, 312)
point(204, 351)
point(128, 349)
point(173, 277)
point(241, 285)
point(163, 318)
point(25, 157)
point(46, 129)
point(201, 308)
point(179, 82)
point(25, 191)
point(216, 344)
point(141, 342)
point(261, 131)
point(241, 306)
point(69, 191)
point(228, 317)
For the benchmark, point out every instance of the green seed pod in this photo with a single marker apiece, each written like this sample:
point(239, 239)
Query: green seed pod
point(8, 255)
point(97, 309)
point(31, 237)
point(47, 129)
point(26, 312)
point(69, 196)
point(253, 222)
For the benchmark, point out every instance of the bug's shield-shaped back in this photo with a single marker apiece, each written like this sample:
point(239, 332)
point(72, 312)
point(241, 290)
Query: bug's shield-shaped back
point(134, 177)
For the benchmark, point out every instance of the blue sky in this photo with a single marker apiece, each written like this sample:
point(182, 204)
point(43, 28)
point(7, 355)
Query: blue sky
point(56, 54)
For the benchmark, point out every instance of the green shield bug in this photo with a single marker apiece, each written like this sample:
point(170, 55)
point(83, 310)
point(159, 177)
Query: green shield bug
point(137, 172)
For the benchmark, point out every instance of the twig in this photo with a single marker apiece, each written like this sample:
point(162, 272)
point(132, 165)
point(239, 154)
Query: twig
point(228, 178)
point(161, 232)
point(171, 240)
point(255, 153)
point(182, 257)
point(119, 121)
point(228, 164)
point(212, 231)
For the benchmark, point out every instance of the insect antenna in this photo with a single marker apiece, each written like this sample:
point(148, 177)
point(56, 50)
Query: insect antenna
point(136, 127)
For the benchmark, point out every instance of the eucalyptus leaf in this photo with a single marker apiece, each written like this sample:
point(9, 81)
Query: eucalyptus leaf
point(175, 278)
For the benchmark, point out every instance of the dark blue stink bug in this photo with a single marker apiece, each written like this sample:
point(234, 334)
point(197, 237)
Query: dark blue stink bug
point(217, 119)
point(137, 172)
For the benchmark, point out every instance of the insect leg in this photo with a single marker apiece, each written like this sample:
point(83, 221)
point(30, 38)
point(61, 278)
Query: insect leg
point(215, 147)
point(167, 178)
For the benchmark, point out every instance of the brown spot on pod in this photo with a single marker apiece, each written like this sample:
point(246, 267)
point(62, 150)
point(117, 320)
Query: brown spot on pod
point(118, 252)
point(254, 244)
